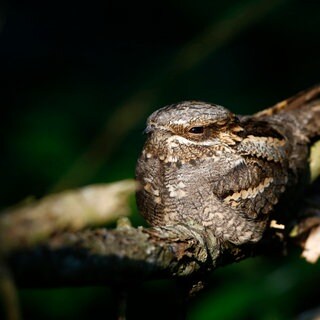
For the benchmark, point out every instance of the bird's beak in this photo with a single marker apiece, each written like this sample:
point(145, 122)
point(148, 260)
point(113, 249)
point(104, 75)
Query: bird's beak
point(148, 129)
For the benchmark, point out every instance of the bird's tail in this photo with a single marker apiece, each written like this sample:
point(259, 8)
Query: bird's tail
point(306, 107)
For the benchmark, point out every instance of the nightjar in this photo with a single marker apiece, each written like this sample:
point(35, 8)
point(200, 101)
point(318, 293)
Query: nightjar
point(205, 167)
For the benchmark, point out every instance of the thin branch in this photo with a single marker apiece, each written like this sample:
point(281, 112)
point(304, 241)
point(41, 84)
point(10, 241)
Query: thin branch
point(8, 293)
point(69, 210)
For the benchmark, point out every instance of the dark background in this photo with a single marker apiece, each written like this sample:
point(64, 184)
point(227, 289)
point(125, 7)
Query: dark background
point(78, 80)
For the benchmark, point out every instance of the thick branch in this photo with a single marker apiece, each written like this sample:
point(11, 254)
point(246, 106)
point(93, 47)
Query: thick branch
point(121, 257)
point(126, 255)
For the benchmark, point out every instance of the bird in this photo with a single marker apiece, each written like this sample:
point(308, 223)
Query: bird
point(206, 168)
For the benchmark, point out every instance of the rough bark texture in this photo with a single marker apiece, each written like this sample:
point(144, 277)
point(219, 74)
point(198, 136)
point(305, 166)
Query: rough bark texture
point(33, 222)
point(122, 256)
point(127, 255)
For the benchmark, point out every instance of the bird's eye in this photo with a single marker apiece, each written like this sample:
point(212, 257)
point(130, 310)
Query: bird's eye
point(197, 130)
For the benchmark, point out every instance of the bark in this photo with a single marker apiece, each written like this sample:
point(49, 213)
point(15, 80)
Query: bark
point(95, 205)
point(123, 256)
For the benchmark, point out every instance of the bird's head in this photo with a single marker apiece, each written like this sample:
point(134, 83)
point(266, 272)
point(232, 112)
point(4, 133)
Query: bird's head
point(194, 123)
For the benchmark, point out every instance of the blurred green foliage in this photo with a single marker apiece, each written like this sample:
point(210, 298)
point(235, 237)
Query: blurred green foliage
point(79, 80)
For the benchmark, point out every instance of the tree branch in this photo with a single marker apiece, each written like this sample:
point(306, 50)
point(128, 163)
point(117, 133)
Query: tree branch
point(32, 223)
point(122, 256)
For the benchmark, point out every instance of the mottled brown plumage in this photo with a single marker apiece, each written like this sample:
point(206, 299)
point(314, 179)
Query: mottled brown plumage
point(207, 168)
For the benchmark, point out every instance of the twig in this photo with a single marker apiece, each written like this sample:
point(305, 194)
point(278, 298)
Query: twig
point(8, 293)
